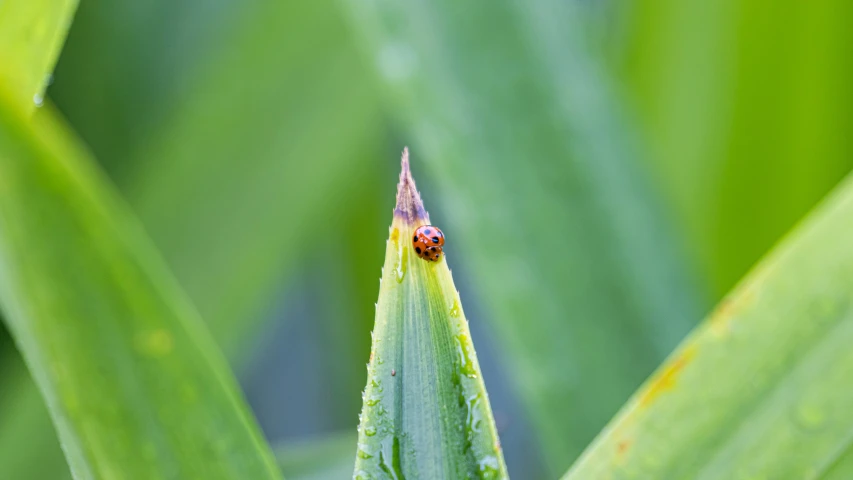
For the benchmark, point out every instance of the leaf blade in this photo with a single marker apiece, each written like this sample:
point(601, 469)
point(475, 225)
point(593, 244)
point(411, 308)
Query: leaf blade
point(32, 33)
point(754, 390)
point(239, 221)
point(525, 136)
point(426, 412)
point(704, 78)
point(235, 237)
point(132, 379)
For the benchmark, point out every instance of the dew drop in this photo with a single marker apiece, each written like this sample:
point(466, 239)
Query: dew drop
point(455, 311)
point(475, 417)
point(466, 364)
point(369, 431)
point(489, 467)
point(401, 263)
point(38, 100)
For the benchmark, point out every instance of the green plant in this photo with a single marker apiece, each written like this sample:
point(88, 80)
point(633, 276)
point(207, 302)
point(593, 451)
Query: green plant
point(252, 152)
point(426, 411)
point(754, 391)
point(126, 368)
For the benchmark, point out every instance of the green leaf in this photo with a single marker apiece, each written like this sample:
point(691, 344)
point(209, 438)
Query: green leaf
point(28, 446)
point(224, 162)
point(738, 89)
point(132, 379)
point(117, 86)
point(31, 36)
point(426, 413)
point(239, 157)
point(761, 388)
point(322, 458)
point(527, 143)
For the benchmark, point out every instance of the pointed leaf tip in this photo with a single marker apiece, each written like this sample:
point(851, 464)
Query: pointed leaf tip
point(425, 411)
point(409, 206)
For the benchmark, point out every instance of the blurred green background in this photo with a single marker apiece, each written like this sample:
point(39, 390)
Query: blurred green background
point(604, 170)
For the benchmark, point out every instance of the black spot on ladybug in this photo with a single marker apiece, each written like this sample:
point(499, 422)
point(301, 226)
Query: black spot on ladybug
point(415, 239)
point(434, 239)
point(418, 250)
point(426, 232)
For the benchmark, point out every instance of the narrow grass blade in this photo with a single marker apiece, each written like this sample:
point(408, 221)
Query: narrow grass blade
point(133, 381)
point(761, 389)
point(32, 33)
point(525, 136)
point(426, 413)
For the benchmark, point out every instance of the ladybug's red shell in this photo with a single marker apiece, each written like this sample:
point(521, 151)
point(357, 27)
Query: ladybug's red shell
point(427, 242)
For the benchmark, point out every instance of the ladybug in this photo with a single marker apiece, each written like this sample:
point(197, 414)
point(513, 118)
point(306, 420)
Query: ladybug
point(428, 241)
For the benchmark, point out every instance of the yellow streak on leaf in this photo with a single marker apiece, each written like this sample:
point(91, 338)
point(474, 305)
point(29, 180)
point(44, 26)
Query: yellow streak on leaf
point(665, 380)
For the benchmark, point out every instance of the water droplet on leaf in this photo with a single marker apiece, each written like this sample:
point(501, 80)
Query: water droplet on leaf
point(489, 467)
point(455, 311)
point(401, 263)
point(466, 364)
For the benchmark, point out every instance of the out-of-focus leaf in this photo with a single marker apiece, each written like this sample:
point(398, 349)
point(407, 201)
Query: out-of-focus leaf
point(324, 458)
point(426, 413)
point(33, 451)
point(538, 174)
point(259, 126)
point(747, 108)
point(31, 35)
point(321, 338)
point(133, 381)
point(760, 390)
point(117, 86)
point(273, 145)
point(348, 292)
